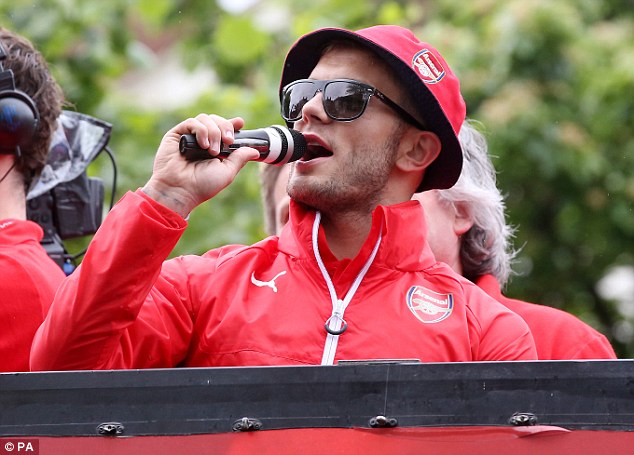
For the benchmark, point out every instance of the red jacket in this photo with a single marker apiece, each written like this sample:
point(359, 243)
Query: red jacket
point(28, 283)
point(267, 304)
point(558, 335)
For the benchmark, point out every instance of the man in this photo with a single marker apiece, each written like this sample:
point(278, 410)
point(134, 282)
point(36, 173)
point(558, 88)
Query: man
point(30, 103)
point(459, 219)
point(341, 282)
point(468, 231)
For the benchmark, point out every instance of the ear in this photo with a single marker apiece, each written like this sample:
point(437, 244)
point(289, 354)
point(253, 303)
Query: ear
point(417, 150)
point(462, 221)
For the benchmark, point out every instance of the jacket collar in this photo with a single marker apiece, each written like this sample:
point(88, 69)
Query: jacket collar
point(403, 247)
point(13, 232)
point(490, 285)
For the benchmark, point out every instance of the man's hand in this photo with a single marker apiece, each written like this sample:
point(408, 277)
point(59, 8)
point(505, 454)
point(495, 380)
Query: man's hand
point(182, 185)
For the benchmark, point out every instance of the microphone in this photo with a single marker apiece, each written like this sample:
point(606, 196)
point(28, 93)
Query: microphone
point(277, 145)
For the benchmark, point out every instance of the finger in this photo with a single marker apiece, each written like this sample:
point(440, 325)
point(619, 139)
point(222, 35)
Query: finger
point(240, 156)
point(220, 130)
point(209, 132)
point(189, 126)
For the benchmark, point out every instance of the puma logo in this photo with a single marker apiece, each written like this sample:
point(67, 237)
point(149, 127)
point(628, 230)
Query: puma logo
point(270, 283)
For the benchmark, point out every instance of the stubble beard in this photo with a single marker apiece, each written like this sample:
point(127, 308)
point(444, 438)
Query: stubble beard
point(358, 183)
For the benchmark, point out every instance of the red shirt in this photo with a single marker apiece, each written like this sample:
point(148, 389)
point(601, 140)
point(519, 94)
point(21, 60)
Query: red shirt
point(267, 304)
point(558, 335)
point(28, 283)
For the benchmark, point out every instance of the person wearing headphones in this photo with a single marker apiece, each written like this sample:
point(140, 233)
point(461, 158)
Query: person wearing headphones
point(30, 104)
point(350, 278)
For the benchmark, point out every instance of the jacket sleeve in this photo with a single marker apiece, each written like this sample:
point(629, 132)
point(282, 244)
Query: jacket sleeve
point(501, 334)
point(117, 310)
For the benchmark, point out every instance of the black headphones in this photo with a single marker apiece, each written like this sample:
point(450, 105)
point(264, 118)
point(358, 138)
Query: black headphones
point(18, 114)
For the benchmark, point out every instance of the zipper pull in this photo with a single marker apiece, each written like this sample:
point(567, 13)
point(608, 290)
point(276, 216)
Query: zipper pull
point(336, 324)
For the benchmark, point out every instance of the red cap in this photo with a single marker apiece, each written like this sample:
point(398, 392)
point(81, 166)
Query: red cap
point(424, 75)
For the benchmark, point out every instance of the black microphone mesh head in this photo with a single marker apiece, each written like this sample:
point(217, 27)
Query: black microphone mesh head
point(299, 145)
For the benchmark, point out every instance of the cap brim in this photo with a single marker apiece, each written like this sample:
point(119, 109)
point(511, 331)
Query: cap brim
point(444, 171)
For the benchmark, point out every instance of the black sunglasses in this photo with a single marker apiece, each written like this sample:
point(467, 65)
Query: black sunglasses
point(343, 99)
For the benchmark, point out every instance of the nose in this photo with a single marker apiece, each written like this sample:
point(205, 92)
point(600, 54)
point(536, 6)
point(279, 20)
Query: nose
point(313, 110)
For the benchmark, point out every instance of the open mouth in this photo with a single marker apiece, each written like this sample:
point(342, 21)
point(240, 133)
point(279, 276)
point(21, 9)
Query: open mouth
point(314, 151)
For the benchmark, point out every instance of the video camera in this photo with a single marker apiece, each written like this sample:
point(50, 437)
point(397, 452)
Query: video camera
point(64, 200)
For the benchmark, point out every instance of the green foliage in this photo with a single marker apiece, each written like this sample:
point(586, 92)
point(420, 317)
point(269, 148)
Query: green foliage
point(550, 80)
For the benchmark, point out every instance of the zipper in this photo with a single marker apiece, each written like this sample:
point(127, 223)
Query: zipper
point(335, 325)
